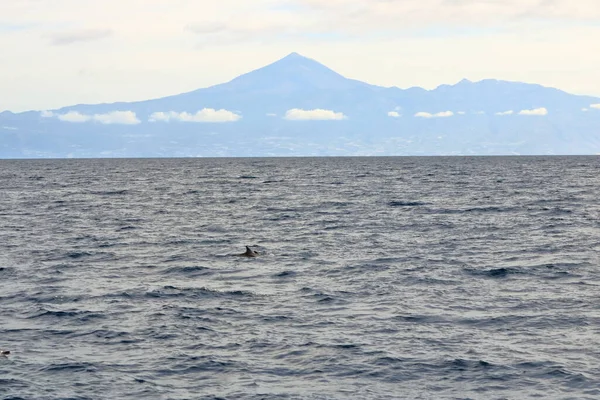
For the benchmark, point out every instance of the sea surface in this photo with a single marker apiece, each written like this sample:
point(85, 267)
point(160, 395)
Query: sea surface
point(378, 278)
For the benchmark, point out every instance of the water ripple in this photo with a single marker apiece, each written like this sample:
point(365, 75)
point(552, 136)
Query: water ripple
point(379, 278)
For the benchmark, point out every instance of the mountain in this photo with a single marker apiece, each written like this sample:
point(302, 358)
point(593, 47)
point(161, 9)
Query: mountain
point(299, 107)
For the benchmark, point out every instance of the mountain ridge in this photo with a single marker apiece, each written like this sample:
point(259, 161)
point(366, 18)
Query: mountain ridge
point(298, 106)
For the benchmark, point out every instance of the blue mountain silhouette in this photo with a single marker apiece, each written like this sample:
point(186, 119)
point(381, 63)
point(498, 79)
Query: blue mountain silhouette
point(484, 117)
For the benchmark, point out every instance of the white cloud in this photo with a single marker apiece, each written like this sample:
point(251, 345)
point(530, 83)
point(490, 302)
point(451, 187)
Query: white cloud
point(596, 106)
point(393, 114)
point(296, 114)
point(73, 116)
point(423, 114)
point(162, 116)
point(509, 112)
point(206, 27)
point(585, 109)
point(113, 117)
point(537, 111)
point(378, 15)
point(83, 35)
point(204, 115)
point(271, 115)
point(461, 113)
point(117, 117)
point(256, 25)
point(550, 38)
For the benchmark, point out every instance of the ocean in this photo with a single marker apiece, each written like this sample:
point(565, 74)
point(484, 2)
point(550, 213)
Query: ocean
point(378, 278)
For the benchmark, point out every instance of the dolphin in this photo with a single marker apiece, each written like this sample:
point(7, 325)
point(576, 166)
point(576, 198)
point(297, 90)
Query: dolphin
point(249, 253)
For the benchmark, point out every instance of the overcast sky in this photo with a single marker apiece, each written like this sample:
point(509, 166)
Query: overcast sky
point(56, 53)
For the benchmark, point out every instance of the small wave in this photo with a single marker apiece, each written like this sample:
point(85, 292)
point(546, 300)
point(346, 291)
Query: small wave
point(179, 242)
point(388, 361)
point(105, 334)
point(198, 364)
point(559, 211)
point(70, 367)
point(126, 228)
point(276, 318)
point(111, 192)
point(460, 364)
point(285, 274)
point(501, 272)
point(283, 217)
point(548, 370)
point(78, 315)
point(377, 265)
point(172, 291)
point(491, 209)
point(346, 346)
point(482, 210)
point(325, 298)
point(401, 203)
point(422, 319)
point(42, 298)
point(78, 254)
point(189, 270)
point(176, 257)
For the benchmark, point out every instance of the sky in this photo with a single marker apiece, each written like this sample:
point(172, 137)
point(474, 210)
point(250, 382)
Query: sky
point(56, 53)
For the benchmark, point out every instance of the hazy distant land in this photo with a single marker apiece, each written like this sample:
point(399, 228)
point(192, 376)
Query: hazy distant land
point(298, 107)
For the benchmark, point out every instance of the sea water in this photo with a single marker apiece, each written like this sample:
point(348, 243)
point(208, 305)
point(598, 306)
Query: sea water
point(378, 278)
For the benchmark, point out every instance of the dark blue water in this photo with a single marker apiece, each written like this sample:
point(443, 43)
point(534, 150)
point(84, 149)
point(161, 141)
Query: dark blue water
point(380, 278)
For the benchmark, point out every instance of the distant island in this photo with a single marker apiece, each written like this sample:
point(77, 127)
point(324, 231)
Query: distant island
point(299, 107)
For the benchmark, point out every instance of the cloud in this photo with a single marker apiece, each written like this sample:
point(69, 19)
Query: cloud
point(596, 106)
point(113, 117)
point(117, 117)
point(585, 109)
point(204, 115)
point(509, 112)
point(423, 114)
point(73, 116)
point(273, 24)
point(296, 114)
point(461, 113)
point(206, 27)
point(393, 114)
point(537, 111)
point(486, 37)
point(83, 35)
point(398, 15)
